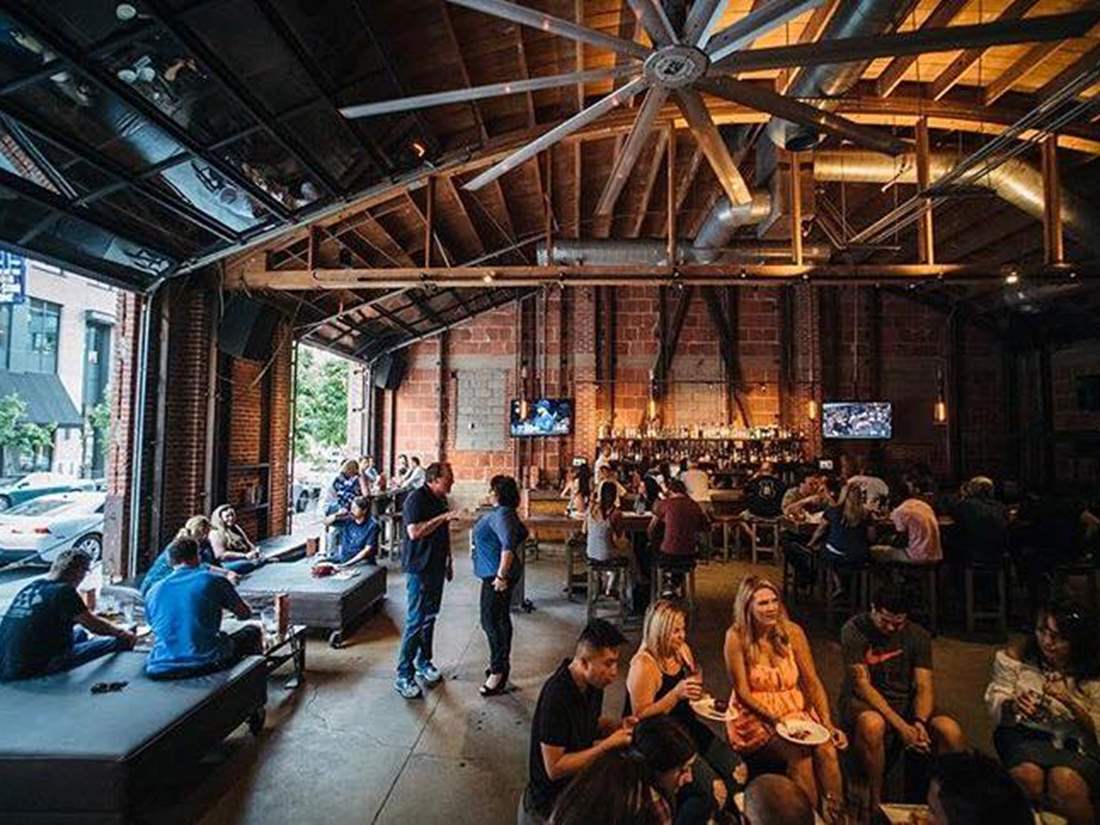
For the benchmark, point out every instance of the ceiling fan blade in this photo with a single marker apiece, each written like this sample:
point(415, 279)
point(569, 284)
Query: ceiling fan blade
point(643, 123)
point(710, 141)
point(703, 17)
point(948, 38)
point(765, 100)
point(403, 104)
point(578, 121)
point(655, 21)
point(756, 24)
point(548, 23)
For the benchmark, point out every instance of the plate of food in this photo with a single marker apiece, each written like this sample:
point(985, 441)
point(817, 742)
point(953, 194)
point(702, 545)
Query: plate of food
point(897, 814)
point(710, 708)
point(803, 731)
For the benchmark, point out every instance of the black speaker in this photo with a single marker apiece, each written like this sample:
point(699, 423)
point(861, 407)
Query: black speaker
point(247, 329)
point(389, 371)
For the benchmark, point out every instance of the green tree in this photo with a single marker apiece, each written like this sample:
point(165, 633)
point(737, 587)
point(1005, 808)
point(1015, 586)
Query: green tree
point(321, 416)
point(19, 434)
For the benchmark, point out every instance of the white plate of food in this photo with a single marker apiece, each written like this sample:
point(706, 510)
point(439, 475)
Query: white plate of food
point(716, 709)
point(803, 732)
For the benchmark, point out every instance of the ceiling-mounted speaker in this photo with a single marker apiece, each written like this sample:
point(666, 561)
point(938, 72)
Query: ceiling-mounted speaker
point(247, 329)
point(389, 370)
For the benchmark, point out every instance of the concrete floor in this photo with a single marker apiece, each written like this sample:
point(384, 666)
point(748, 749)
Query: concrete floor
point(346, 749)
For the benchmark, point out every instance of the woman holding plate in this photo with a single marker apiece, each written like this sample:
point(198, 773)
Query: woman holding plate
point(664, 679)
point(782, 708)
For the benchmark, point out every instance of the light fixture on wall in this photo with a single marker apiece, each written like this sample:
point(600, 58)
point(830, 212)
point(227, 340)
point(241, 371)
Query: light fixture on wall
point(811, 408)
point(651, 408)
point(939, 409)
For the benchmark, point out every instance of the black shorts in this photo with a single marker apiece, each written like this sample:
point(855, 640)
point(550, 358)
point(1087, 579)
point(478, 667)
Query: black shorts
point(1017, 745)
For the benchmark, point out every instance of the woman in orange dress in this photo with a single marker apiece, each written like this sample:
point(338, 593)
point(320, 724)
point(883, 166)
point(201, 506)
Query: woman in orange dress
point(773, 674)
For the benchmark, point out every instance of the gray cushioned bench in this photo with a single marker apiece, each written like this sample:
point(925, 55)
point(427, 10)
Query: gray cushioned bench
point(68, 755)
point(329, 603)
point(283, 548)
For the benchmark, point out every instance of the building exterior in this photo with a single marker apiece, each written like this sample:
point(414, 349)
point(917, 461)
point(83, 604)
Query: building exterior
point(56, 336)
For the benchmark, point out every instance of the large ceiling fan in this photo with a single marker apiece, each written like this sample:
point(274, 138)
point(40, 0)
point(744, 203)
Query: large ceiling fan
point(682, 64)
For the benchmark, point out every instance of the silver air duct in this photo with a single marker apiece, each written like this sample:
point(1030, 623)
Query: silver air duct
point(1015, 181)
point(853, 18)
point(655, 253)
point(724, 219)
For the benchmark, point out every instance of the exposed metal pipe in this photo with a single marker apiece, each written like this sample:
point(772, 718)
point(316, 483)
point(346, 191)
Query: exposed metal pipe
point(853, 18)
point(655, 253)
point(1015, 181)
point(725, 218)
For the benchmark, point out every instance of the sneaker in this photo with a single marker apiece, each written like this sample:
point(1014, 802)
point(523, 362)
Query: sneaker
point(429, 673)
point(408, 688)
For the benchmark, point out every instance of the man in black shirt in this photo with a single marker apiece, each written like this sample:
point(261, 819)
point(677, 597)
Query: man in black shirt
point(426, 560)
point(764, 493)
point(888, 698)
point(567, 732)
point(981, 524)
point(37, 636)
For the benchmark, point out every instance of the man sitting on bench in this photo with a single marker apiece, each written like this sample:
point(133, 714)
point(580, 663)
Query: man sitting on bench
point(356, 534)
point(185, 614)
point(37, 636)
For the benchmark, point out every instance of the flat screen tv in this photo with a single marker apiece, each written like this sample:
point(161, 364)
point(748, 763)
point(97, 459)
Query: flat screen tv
point(545, 417)
point(856, 419)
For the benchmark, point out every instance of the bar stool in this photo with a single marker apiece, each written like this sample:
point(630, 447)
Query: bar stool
point(729, 523)
point(757, 528)
point(619, 568)
point(665, 565)
point(575, 547)
point(793, 552)
point(999, 570)
point(856, 582)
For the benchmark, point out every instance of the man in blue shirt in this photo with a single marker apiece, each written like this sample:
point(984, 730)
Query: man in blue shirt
point(185, 614)
point(356, 534)
point(37, 636)
point(426, 560)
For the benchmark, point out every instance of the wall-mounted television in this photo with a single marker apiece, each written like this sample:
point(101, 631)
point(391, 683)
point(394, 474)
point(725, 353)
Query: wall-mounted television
point(856, 419)
point(545, 417)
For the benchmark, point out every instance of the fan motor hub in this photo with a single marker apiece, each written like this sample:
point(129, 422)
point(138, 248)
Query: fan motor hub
point(675, 67)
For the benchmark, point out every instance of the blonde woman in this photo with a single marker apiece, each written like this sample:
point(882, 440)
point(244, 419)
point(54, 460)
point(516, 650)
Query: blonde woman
point(774, 678)
point(197, 528)
point(663, 679)
point(232, 548)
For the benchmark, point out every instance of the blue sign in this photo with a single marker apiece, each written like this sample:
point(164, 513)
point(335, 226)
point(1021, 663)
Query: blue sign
point(13, 278)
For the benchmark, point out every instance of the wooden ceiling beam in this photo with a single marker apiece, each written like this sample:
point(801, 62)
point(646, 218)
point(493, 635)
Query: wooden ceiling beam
point(449, 28)
point(1086, 62)
point(446, 250)
point(699, 274)
point(448, 181)
point(892, 75)
point(809, 34)
point(958, 67)
point(1032, 59)
point(639, 216)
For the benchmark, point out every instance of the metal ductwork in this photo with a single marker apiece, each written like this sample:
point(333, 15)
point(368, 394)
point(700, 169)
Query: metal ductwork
point(655, 253)
point(853, 18)
point(1015, 181)
point(725, 218)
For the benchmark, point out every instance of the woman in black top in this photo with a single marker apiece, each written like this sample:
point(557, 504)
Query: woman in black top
point(846, 528)
point(663, 680)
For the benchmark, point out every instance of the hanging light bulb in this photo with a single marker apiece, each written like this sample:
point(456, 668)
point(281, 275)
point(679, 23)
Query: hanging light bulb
point(939, 411)
point(811, 409)
point(524, 409)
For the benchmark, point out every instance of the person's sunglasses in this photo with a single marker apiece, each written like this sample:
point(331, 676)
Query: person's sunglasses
point(108, 687)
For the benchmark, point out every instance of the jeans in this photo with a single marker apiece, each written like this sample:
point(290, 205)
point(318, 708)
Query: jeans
point(496, 621)
point(241, 566)
point(248, 641)
point(423, 596)
point(85, 649)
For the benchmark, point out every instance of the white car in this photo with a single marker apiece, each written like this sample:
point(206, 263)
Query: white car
point(43, 527)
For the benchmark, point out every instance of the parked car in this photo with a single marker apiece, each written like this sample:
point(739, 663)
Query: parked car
point(305, 492)
point(34, 485)
point(45, 526)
